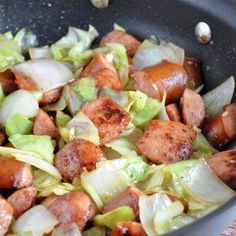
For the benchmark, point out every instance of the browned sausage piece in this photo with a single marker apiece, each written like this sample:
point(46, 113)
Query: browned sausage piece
point(166, 141)
point(77, 156)
point(173, 112)
point(128, 228)
point(7, 80)
point(6, 216)
point(193, 108)
point(22, 199)
point(223, 165)
point(74, 207)
point(51, 97)
point(130, 43)
point(193, 69)
point(222, 128)
point(155, 80)
point(129, 197)
point(103, 72)
point(43, 125)
point(109, 118)
point(14, 174)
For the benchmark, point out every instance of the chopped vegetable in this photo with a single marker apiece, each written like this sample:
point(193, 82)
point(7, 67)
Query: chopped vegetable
point(67, 230)
point(110, 219)
point(37, 220)
point(20, 101)
point(18, 124)
point(62, 119)
point(82, 127)
point(95, 231)
point(40, 144)
point(86, 88)
point(216, 99)
point(100, 3)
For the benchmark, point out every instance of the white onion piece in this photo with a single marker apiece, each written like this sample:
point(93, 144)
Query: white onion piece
point(154, 54)
point(217, 98)
point(20, 101)
point(47, 74)
point(148, 207)
point(67, 230)
point(37, 220)
point(202, 184)
point(41, 52)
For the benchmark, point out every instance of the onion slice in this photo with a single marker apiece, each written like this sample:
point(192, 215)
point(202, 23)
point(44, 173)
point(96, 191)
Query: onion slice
point(20, 101)
point(37, 220)
point(217, 98)
point(45, 74)
point(148, 207)
point(149, 54)
point(202, 184)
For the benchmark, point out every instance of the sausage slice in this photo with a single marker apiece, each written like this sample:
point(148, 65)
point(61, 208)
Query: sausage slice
point(223, 165)
point(50, 97)
point(192, 67)
point(128, 228)
point(7, 80)
point(173, 112)
point(193, 109)
point(43, 125)
point(22, 199)
point(77, 156)
point(75, 207)
point(103, 72)
point(166, 141)
point(157, 79)
point(129, 197)
point(6, 216)
point(14, 174)
point(222, 128)
point(109, 118)
point(130, 43)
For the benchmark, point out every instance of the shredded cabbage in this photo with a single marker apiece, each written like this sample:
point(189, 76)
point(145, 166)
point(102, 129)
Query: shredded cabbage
point(85, 88)
point(82, 127)
point(95, 231)
point(62, 119)
point(39, 144)
point(111, 218)
point(18, 124)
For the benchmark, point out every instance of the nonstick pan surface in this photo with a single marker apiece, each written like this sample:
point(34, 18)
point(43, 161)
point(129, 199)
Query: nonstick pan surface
point(171, 20)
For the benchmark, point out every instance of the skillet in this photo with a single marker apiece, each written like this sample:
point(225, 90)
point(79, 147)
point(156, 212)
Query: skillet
point(171, 20)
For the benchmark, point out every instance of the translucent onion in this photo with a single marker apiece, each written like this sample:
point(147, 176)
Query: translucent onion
point(201, 183)
point(148, 206)
point(20, 101)
point(37, 219)
point(217, 98)
point(47, 74)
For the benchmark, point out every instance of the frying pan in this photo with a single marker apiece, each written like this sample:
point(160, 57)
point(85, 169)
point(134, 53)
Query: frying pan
point(171, 20)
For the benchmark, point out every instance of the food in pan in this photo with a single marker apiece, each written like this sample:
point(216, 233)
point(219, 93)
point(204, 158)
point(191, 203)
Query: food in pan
point(109, 139)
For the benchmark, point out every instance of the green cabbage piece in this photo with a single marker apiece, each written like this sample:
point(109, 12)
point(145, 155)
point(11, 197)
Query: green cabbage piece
point(141, 118)
point(82, 127)
point(95, 231)
point(40, 144)
point(12, 48)
point(21, 234)
point(86, 88)
point(201, 147)
point(121, 98)
point(18, 124)
point(110, 219)
point(48, 185)
point(62, 119)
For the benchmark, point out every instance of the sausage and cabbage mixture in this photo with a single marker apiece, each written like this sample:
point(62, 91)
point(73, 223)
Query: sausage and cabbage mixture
point(114, 138)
